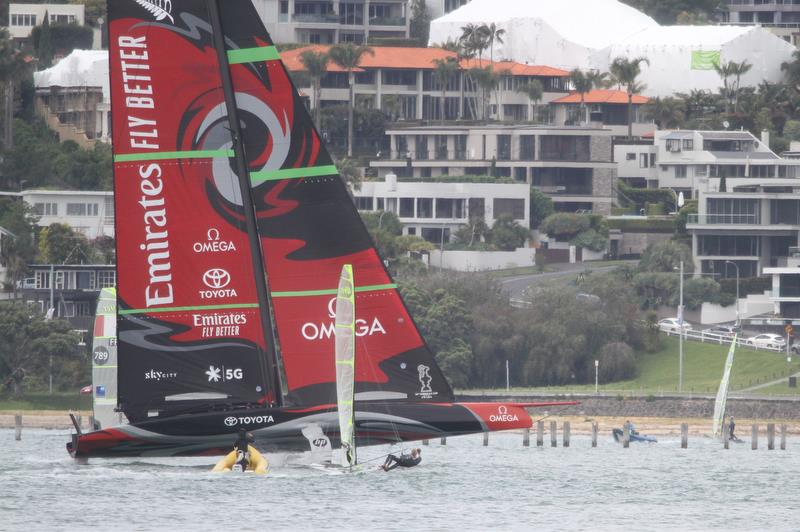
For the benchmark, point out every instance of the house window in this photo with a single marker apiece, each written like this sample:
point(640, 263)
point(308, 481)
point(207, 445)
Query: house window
point(22, 19)
point(364, 203)
point(424, 207)
point(673, 145)
point(106, 279)
point(406, 207)
point(477, 208)
point(643, 160)
point(84, 280)
point(527, 148)
point(701, 170)
point(76, 209)
point(380, 206)
point(512, 206)
point(680, 171)
point(42, 280)
point(630, 156)
point(503, 147)
point(46, 209)
point(352, 14)
point(83, 308)
point(62, 19)
point(688, 144)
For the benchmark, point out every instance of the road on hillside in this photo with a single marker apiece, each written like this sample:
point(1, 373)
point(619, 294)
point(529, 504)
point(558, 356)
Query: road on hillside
point(515, 286)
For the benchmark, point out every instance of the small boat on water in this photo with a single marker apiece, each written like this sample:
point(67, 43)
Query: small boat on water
point(634, 436)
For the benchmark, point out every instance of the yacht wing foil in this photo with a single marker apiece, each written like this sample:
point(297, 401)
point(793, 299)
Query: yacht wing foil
point(722, 392)
point(233, 225)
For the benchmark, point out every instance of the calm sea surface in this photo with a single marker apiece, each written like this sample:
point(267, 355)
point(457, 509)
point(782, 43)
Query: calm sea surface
point(460, 486)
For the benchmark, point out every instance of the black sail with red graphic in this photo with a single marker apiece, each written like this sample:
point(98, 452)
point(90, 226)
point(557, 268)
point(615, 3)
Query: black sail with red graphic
point(309, 228)
point(193, 322)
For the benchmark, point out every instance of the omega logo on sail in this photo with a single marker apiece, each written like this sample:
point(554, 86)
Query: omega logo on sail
point(323, 331)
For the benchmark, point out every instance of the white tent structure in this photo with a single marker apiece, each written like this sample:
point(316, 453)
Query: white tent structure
point(590, 34)
point(681, 57)
point(81, 68)
point(558, 33)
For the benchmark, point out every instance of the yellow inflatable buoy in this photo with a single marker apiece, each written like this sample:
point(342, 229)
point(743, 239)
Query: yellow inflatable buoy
point(258, 464)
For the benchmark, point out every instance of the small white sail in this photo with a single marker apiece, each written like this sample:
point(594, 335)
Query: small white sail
point(722, 393)
point(345, 363)
point(104, 360)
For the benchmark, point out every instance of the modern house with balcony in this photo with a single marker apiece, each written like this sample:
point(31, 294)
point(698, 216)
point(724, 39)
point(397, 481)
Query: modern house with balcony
point(637, 164)
point(86, 211)
point(434, 211)
point(71, 290)
point(781, 17)
point(22, 18)
point(401, 82)
point(786, 285)
point(754, 223)
point(603, 108)
point(334, 21)
point(572, 165)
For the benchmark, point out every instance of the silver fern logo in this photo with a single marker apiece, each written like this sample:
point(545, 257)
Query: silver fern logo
point(160, 9)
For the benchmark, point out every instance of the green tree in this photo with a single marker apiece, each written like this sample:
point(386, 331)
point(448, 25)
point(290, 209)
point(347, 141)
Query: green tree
point(443, 73)
point(507, 234)
point(492, 34)
point(541, 206)
point(420, 23)
point(666, 256)
point(582, 84)
point(60, 244)
point(348, 56)
point(791, 70)
point(731, 74)
point(350, 173)
point(93, 10)
point(44, 48)
point(625, 73)
point(19, 251)
point(27, 343)
point(13, 69)
point(565, 225)
point(473, 41)
point(666, 112)
point(617, 362)
point(534, 90)
point(316, 63)
point(487, 80)
point(456, 362)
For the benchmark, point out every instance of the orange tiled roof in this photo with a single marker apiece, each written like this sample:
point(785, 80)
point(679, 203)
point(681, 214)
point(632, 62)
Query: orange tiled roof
point(516, 69)
point(385, 57)
point(602, 96)
point(416, 58)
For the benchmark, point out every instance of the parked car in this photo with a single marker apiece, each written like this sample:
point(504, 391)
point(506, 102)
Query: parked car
point(725, 331)
point(769, 340)
point(673, 325)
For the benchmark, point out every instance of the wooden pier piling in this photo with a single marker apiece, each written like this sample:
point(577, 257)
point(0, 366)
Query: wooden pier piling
point(443, 441)
point(594, 434)
point(754, 437)
point(553, 434)
point(485, 439)
point(18, 427)
point(770, 436)
point(684, 435)
point(526, 437)
point(626, 435)
point(783, 437)
point(566, 434)
point(540, 434)
point(725, 440)
point(425, 442)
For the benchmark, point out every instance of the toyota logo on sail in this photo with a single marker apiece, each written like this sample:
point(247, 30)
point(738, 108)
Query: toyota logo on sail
point(230, 421)
point(216, 278)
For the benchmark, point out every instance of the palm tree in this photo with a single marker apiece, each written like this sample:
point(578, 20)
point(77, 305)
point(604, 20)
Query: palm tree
point(474, 41)
point(444, 72)
point(791, 70)
point(625, 71)
point(491, 34)
point(534, 90)
point(487, 80)
point(735, 70)
point(316, 64)
point(666, 112)
point(582, 85)
point(348, 56)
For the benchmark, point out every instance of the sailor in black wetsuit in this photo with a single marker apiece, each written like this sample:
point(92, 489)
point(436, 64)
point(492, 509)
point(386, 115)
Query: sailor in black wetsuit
point(405, 460)
point(731, 426)
point(243, 455)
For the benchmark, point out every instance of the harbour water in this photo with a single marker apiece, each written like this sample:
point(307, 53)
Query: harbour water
point(460, 486)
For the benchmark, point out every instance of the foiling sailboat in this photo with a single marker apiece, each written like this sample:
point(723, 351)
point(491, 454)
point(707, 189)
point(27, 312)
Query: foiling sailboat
point(232, 226)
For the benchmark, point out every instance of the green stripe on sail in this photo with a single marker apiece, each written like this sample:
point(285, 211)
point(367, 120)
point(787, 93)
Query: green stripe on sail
point(162, 155)
point(332, 291)
point(179, 309)
point(253, 55)
point(99, 366)
point(256, 178)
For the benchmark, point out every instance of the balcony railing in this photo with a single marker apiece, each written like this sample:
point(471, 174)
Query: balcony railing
point(328, 18)
point(387, 21)
point(724, 219)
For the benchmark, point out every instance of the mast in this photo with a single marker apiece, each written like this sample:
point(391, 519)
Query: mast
point(269, 367)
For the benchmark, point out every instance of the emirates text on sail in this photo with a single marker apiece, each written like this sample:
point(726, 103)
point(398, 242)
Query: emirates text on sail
point(143, 134)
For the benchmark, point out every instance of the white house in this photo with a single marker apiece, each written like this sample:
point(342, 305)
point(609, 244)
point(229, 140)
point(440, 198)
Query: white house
point(22, 18)
point(90, 212)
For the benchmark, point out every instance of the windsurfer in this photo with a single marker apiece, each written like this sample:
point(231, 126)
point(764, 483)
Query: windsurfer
point(405, 460)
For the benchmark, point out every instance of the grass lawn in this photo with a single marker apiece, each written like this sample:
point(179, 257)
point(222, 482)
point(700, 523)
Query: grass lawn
point(703, 364)
point(44, 401)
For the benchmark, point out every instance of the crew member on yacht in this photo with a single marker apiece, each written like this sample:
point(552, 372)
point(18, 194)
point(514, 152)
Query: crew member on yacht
point(405, 460)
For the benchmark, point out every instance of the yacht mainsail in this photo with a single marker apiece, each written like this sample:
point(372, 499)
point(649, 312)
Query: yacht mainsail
point(722, 393)
point(345, 364)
